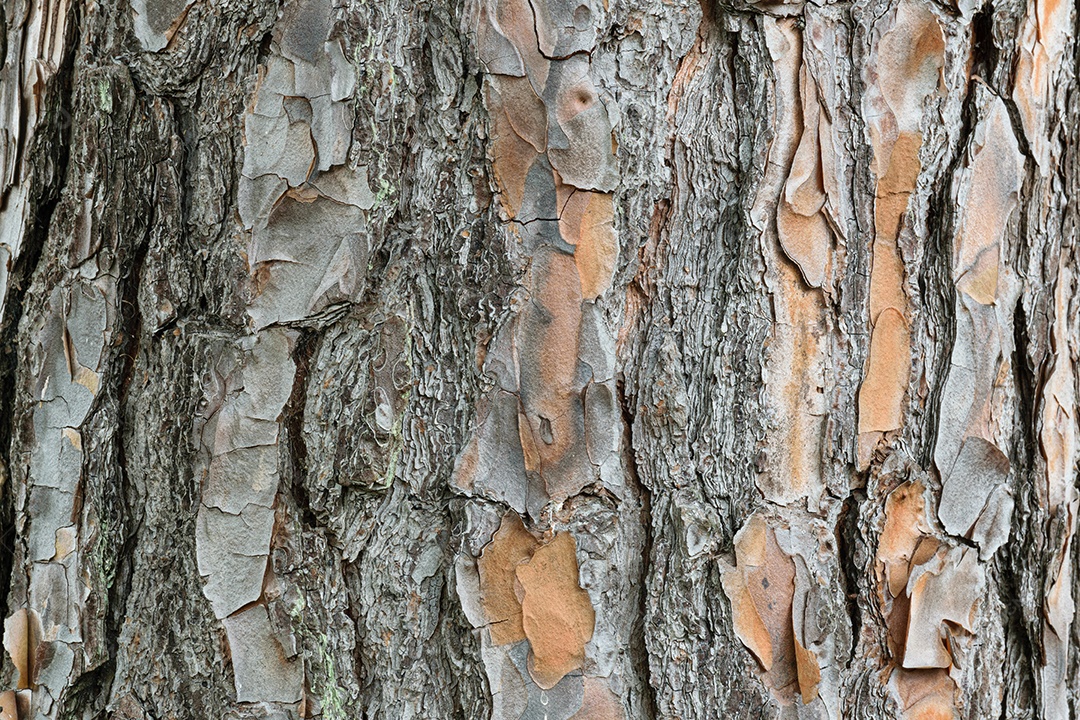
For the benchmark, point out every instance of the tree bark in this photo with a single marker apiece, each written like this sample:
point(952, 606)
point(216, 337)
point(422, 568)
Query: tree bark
point(532, 359)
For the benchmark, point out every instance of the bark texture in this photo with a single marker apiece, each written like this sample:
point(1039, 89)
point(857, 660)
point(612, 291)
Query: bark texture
point(539, 359)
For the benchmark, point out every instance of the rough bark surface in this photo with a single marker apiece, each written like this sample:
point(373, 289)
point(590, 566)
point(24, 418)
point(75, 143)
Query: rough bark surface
point(539, 359)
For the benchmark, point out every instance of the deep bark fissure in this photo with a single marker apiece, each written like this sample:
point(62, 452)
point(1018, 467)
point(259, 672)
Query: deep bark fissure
point(640, 650)
point(293, 421)
point(848, 537)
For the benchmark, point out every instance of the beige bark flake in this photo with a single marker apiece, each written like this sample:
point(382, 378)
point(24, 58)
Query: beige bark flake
point(908, 62)
point(1058, 434)
point(496, 52)
point(557, 615)
point(980, 469)
point(801, 225)
point(989, 196)
point(932, 593)
point(22, 636)
point(944, 595)
point(1044, 35)
point(523, 110)
point(1058, 441)
point(796, 260)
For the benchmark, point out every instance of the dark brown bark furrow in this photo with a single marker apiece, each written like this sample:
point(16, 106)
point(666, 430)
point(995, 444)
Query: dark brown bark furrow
point(539, 359)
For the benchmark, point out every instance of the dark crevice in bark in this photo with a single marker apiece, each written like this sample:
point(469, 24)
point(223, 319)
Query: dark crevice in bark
point(264, 49)
point(1022, 634)
point(51, 145)
point(639, 647)
point(293, 421)
point(1018, 635)
point(354, 609)
point(936, 287)
point(984, 52)
point(848, 538)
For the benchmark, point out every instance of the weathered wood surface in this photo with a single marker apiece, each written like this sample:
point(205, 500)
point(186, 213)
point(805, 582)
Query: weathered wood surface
point(539, 359)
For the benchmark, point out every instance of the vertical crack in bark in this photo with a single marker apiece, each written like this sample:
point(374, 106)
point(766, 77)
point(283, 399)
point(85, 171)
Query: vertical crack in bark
point(1020, 636)
point(52, 142)
point(848, 541)
point(984, 52)
point(935, 280)
point(640, 651)
point(293, 421)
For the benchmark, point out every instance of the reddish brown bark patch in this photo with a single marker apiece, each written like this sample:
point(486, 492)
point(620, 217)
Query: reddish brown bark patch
point(557, 616)
point(512, 544)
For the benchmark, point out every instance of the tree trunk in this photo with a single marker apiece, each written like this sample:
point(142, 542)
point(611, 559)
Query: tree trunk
point(532, 359)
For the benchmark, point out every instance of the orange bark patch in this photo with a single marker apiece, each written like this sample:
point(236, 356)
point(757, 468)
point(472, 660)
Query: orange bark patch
point(902, 172)
point(590, 227)
point(925, 694)
point(519, 136)
point(557, 616)
point(881, 396)
point(7, 706)
point(809, 672)
point(748, 625)
point(761, 590)
point(909, 59)
point(511, 545)
point(805, 239)
point(512, 159)
point(905, 541)
point(598, 249)
point(524, 110)
point(548, 340)
point(517, 22)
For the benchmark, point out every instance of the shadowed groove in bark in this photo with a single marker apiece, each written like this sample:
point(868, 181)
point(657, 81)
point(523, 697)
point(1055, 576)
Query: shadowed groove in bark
point(640, 650)
point(51, 143)
point(293, 421)
point(1021, 640)
point(849, 550)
